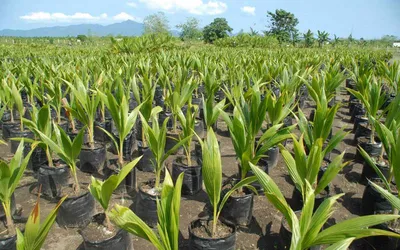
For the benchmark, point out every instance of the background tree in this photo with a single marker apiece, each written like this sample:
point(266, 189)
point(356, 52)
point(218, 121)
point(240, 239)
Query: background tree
point(253, 32)
point(295, 37)
point(82, 38)
point(190, 29)
point(388, 40)
point(350, 39)
point(219, 28)
point(335, 40)
point(309, 38)
point(323, 37)
point(282, 25)
point(156, 24)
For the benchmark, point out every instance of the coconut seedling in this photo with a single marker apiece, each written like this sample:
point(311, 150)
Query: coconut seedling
point(245, 125)
point(309, 229)
point(10, 175)
point(321, 125)
point(332, 79)
point(102, 190)
point(211, 110)
point(35, 232)
point(212, 174)
point(305, 169)
point(84, 108)
point(55, 95)
point(67, 150)
point(156, 137)
point(144, 94)
point(40, 121)
point(369, 92)
point(30, 86)
point(391, 73)
point(178, 94)
point(16, 96)
point(187, 122)
point(390, 137)
point(86, 103)
point(387, 133)
point(102, 112)
point(168, 207)
point(8, 105)
point(124, 120)
point(279, 107)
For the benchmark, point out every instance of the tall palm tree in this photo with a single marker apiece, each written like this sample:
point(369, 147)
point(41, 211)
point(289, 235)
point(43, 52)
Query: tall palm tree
point(309, 38)
point(323, 37)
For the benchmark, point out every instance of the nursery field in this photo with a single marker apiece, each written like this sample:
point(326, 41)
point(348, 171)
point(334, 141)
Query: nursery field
point(263, 232)
point(198, 148)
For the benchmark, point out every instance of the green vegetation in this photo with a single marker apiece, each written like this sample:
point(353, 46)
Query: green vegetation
point(219, 28)
point(249, 88)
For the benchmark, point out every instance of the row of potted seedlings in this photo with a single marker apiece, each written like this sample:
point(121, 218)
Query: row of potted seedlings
point(373, 106)
point(255, 119)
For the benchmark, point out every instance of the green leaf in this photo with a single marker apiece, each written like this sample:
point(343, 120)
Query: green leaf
point(20, 244)
point(393, 199)
point(334, 141)
point(116, 145)
point(275, 196)
point(102, 191)
point(18, 165)
point(37, 233)
point(293, 168)
point(17, 99)
point(212, 169)
point(168, 209)
point(44, 118)
point(371, 163)
point(331, 172)
point(319, 218)
point(307, 210)
point(355, 227)
point(124, 218)
point(314, 162)
point(54, 145)
point(341, 245)
point(76, 144)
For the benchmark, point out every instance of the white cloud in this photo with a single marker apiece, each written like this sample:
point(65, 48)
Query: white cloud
point(132, 4)
point(123, 16)
point(249, 10)
point(197, 7)
point(61, 17)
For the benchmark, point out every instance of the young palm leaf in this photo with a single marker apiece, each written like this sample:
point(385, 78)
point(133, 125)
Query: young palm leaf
point(40, 121)
point(123, 120)
point(212, 176)
point(307, 231)
point(102, 190)
point(35, 232)
point(168, 217)
point(372, 98)
point(10, 175)
point(86, 103)
point(187, 123)
point(66, 149)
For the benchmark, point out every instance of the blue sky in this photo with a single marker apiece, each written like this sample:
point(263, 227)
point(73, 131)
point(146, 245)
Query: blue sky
point(362, 18)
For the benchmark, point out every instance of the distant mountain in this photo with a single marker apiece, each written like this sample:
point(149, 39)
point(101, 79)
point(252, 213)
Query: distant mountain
point(127, 28)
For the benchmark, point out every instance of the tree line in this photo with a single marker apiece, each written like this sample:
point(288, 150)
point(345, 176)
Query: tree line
point(282, 28)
